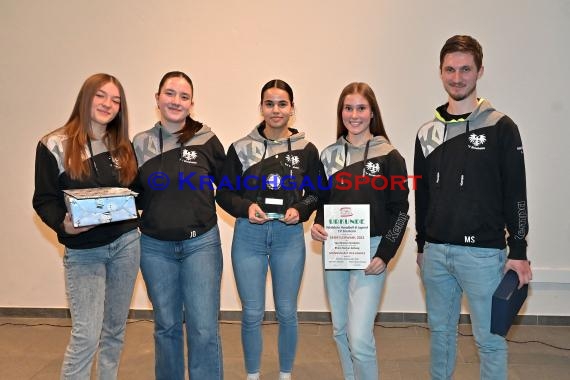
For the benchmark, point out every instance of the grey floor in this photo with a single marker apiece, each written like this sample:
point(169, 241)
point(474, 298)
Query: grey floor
point(32, 351)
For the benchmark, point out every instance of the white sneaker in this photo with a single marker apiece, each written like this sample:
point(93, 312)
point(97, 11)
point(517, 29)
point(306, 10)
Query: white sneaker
point(253, 376)
point(284, 376)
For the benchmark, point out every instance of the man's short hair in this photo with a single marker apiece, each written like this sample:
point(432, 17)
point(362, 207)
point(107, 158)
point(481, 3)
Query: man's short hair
point(464, 44)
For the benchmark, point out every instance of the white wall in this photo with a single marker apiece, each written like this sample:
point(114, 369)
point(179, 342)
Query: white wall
point(231, 48)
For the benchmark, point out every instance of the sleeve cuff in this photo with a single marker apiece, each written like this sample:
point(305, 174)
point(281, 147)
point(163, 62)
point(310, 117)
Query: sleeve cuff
point(517, 253)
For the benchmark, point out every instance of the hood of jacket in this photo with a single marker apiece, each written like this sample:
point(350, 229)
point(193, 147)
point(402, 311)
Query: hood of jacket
point(205, 129)
point(342, 153)
point(256, 135)
point(484, 114)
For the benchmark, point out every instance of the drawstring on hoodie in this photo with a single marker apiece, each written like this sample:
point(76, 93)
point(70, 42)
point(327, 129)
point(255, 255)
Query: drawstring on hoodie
point(91, 159)
point(161, 147)
point(366, 148)
point(365, 157)
point(263, 156)
point(262, 161)
point(94, 164)
point(344, 161)
point(289, 150)
point(443, 116)
point(437, 176)
point(464, 166)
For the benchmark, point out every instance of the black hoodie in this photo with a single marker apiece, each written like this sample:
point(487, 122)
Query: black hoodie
point(473, 181)
point(388, 207)
point(248, 157)
point(185, 207)
point(51, 178)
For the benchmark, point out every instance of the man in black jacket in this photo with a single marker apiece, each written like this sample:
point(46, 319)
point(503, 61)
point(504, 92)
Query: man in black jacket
point(473, 188)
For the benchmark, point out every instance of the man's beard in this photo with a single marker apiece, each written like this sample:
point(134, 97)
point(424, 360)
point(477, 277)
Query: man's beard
point(460, 97)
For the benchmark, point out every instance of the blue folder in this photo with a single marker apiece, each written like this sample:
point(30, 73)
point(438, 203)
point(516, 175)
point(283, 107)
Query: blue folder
point(507, 301)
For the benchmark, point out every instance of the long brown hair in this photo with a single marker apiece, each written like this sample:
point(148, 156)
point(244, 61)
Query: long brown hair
point(376, 124)
point(116, 139)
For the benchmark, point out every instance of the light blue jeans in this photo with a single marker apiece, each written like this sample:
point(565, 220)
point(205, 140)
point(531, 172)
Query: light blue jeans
point(354, 299)
point(447, 272)
point(99, 286)
point(183, 283)
point(280, 247)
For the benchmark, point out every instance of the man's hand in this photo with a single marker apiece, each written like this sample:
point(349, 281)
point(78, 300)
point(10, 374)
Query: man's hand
point(522, 267)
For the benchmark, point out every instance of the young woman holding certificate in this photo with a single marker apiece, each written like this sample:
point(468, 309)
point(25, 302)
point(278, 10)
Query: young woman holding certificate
point(354, 295)
point(268, 230)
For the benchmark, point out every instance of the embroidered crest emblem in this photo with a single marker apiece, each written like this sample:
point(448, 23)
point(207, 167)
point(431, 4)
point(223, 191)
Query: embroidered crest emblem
point(372, 168)
point(189, 156)
point(477, 141)
point(292, 161)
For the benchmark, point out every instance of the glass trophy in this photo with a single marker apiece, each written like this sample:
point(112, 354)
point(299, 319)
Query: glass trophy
point(273, 198)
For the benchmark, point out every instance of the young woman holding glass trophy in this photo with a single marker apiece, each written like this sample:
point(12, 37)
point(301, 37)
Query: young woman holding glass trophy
point(260, 186)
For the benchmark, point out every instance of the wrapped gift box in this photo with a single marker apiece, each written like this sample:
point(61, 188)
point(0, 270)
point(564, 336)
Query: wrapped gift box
point(93, 206)
point(507, 301)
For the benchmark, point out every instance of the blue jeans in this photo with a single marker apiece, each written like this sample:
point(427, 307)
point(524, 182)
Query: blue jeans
point(183, 283)
point(354, 299)
point(280, 247)
point(99, 284)
point(447, 272)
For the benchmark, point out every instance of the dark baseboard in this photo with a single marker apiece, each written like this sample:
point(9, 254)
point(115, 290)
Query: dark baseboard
point(34, 312)
point(304, 316)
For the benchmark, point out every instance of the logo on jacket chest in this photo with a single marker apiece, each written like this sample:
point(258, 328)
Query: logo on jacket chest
point(115, 163)
point(292, 161)
point(372, 168)
point(476, 141)
point(189, 156)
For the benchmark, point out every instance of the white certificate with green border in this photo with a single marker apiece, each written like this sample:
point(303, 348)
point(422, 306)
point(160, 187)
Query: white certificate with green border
point(348, 242)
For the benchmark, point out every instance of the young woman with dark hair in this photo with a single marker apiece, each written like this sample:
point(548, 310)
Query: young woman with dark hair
point(269, 213)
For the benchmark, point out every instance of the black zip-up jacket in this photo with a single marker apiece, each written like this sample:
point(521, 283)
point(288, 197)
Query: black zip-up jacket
point(473, 181)
point(344, 162)
point(184, 207)
point(51, 179)
point(251, 158)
